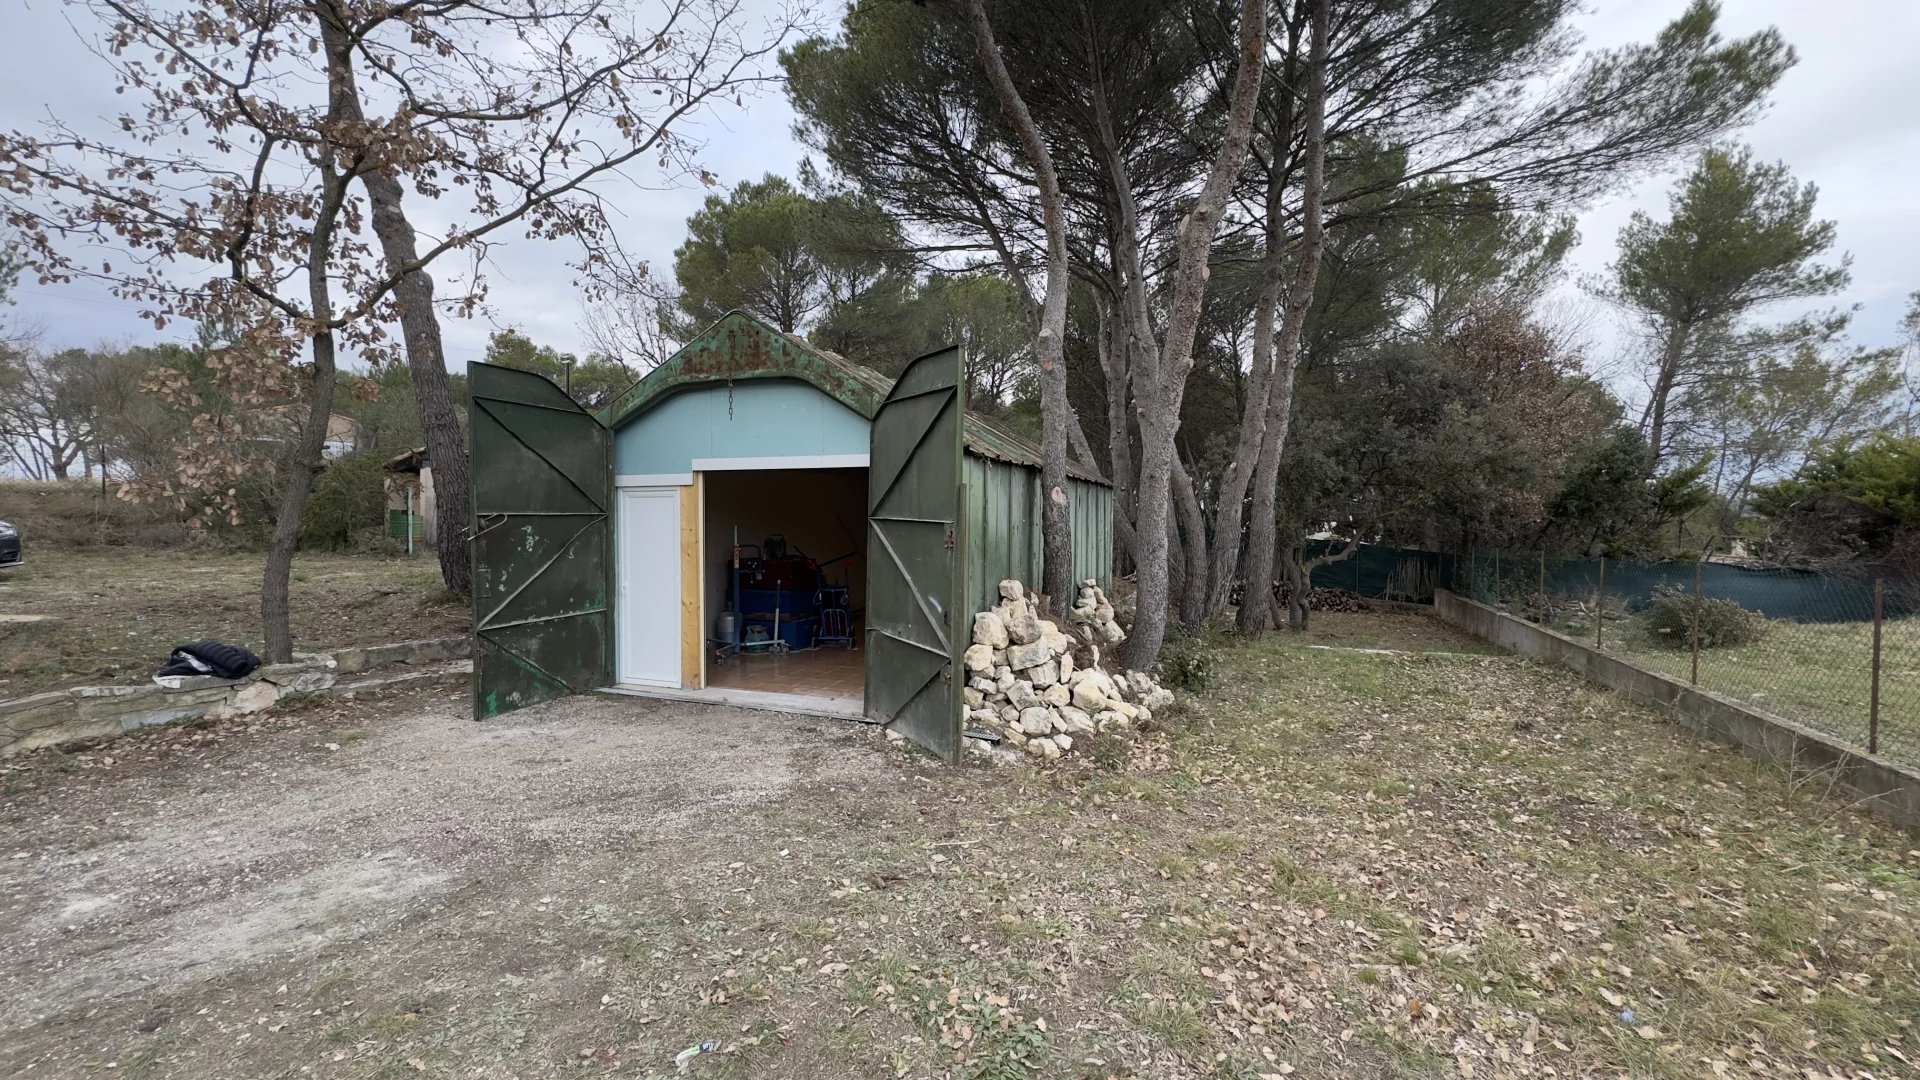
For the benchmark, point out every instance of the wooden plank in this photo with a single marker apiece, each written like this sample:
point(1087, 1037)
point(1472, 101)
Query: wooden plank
point(693, 651)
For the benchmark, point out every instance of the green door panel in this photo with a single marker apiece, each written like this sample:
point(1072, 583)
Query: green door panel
point(542, 542)
point(916, 618)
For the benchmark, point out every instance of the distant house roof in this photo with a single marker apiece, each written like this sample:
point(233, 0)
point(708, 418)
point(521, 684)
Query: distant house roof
point(742, 346)
point(410, 461)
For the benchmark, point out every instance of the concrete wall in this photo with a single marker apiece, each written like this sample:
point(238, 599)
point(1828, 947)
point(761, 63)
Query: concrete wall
point(762, 418)
point(1887, 787)
point(93, 712)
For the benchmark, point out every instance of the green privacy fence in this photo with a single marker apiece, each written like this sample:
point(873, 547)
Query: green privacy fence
point(1776, 592)
point(1378, 572)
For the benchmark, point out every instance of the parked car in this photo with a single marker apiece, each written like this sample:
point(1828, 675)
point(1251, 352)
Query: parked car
point(9, 545)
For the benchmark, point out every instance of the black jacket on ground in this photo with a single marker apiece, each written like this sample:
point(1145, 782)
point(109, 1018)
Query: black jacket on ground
point(215, 658)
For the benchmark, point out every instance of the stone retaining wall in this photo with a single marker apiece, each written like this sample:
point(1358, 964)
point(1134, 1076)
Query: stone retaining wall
point(1889, 788)
point(92, 712)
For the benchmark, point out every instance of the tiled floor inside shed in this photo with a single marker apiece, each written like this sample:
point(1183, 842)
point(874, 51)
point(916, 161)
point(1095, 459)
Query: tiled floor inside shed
point(820, 673)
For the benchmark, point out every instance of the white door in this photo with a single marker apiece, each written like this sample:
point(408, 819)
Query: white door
point(647, 622)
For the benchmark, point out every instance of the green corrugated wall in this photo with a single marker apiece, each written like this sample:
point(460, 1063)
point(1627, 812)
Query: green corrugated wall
point(1002, 509)
point(1092, 532)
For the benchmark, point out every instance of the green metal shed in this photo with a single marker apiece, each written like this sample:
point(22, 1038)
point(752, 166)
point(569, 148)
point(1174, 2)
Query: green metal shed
point(602, 544)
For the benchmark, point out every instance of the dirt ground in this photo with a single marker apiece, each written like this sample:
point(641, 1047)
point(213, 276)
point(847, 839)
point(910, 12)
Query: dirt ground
point(77, 618)
point(1329, 864)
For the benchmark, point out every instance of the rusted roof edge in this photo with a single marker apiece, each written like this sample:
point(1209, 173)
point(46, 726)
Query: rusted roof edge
point(715, 354)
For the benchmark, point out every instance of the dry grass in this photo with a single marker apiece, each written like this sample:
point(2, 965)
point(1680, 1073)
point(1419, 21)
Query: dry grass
point(114, 614)
point(1819, 674)
point(1334, 864)
point(64, 516)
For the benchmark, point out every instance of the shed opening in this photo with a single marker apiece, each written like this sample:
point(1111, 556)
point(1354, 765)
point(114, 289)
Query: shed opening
point(784, 584)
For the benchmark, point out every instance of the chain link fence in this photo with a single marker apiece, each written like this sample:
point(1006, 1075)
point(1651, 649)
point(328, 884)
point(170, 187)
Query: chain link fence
point(1839, 653)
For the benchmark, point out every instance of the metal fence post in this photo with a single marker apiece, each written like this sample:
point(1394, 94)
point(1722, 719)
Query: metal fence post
point(1600, 607)
point(1696, 621)
point(1873, 700)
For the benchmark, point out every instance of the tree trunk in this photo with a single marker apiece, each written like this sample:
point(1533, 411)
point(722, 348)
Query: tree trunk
point(426, 357)
point(1299, 591)
point(1663, 384)
point(1056, 510)
point(426, 363)
point(1193, 524)
point(1230, 507)
point(1112, 342)
point(1160, 380)
point(297, 466)
point(302, 456)
point(1252, 620)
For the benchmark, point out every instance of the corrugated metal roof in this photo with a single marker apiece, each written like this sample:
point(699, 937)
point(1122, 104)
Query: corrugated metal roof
point(742, 345)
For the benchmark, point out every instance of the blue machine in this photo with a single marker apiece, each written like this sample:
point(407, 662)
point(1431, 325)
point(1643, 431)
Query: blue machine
point(780, 601)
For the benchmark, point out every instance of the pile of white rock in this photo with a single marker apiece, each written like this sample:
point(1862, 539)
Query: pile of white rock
point(1040, 688)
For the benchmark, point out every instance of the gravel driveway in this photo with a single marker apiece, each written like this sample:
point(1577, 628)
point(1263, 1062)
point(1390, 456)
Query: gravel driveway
point(159, 897)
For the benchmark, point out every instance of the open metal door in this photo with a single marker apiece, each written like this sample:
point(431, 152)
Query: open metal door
point(915, 556)
point(542, 542)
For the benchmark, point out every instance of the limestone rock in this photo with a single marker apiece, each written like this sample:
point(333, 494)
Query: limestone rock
point(1022, 657)
point(988, 630)
point(1064, 742)
point(1056, 641)
point(1057, 695)
point(1022, 695)
point(1042, 675)
point(1039, 747)
point(978, 658)
point(1158, 698)
point(974, 698)
point(1016, 737)
point(984, 717)
point(1023, 630)
point(1003, 679)
point(1075, 720)
point(254, 697)
point(1013, 590)
point(1036, 721)
point(1087, 695)
point(1009, 715)
point(983, 684)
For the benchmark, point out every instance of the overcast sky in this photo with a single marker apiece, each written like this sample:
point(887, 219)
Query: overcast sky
point(1847, 118)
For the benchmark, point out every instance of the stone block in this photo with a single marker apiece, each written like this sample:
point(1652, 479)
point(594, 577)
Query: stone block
point(1036, 721)
point(1022, 657)
point(989, 630)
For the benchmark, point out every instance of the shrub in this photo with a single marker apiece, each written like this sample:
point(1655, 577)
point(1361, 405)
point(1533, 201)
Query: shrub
point(1723, 623)
point(349, 502)
point(1186, 663)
